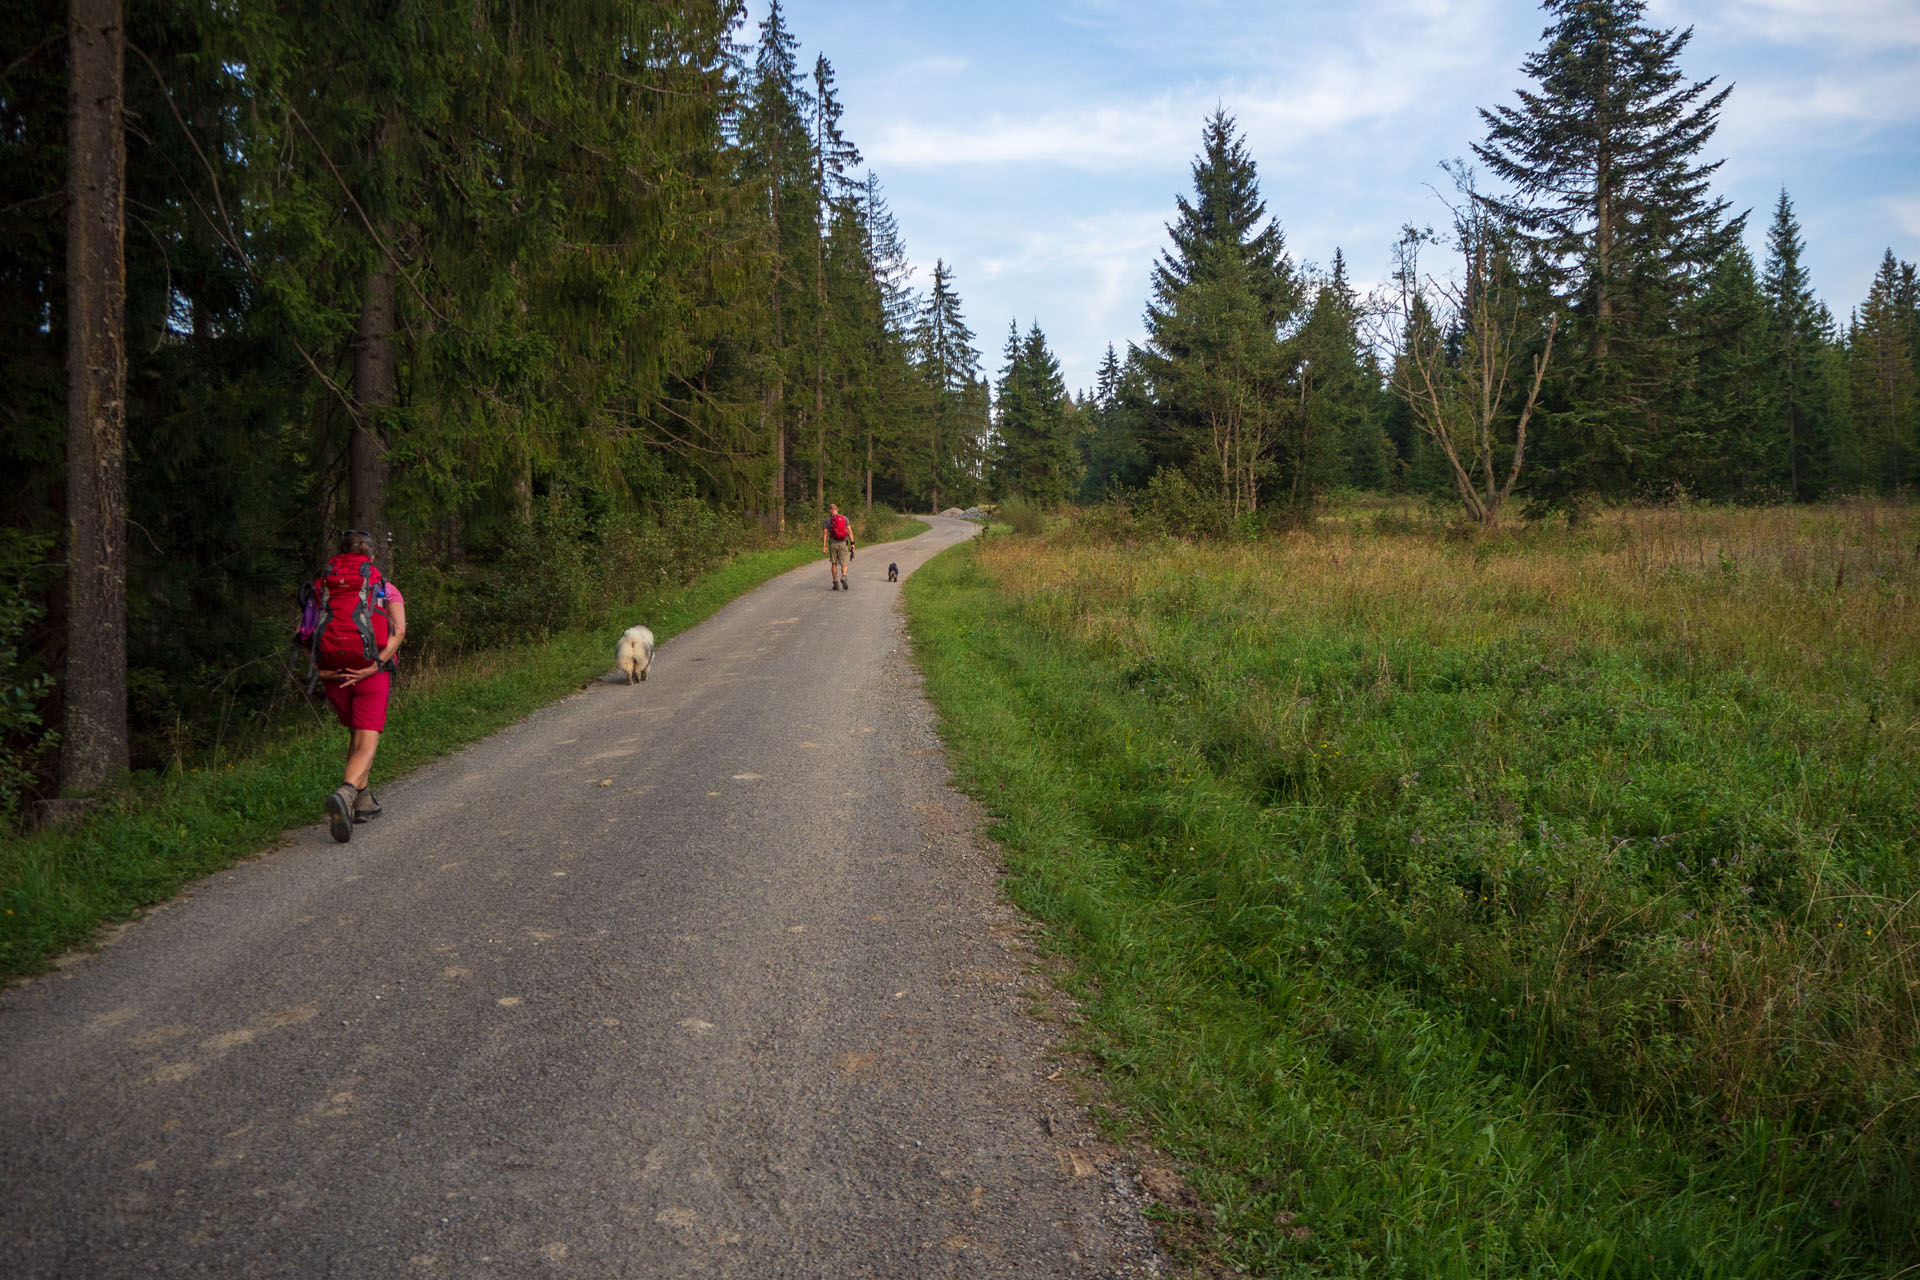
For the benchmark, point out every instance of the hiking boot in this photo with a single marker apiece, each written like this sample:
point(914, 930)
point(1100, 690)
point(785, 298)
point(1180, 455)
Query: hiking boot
point(366, 808)
point(340, 811)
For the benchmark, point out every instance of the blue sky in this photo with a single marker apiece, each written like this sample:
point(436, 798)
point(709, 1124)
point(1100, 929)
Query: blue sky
point(1038, 146)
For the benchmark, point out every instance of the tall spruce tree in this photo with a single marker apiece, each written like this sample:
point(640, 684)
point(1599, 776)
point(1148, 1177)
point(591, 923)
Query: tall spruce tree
point(1033, 453)
point(1222, 293)
point(779, 163)
point(1832, 382)
point(886, 251)
point(1805, 435)
point(1602, 158)
point(833, 160)
point(1341, 419)
point(898, 395)
point(1110, 453)
point(1884, 385)
point(1729, 446)
point(857, 347)
point(949, 454)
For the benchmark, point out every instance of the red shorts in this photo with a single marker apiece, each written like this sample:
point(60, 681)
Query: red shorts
point(363, 704)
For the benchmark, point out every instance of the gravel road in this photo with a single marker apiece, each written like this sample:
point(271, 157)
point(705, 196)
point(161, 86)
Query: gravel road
point(706, 976)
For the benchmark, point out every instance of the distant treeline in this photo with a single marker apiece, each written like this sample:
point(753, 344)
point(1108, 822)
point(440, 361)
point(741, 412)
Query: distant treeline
point(1600, 331)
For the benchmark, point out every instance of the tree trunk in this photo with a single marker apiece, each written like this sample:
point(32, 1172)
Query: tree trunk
point(94, 743)
point(1603, 229)
point(820, 363)
point(523, 492)
point(374, 392)
point(777, 490)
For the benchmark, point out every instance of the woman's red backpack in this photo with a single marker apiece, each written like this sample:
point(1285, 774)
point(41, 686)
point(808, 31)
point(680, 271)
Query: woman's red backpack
point(351, 602)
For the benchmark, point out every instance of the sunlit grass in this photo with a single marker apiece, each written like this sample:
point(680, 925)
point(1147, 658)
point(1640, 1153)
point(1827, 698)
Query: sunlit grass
point(1538, 903)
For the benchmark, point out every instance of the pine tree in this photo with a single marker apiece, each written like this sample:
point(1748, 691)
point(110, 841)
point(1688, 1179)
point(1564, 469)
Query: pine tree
point(1832, 404)
point(1033, 453)
point(833, 160)
point(1343, 435)
point(1419, 467)
point(859, 349)
point(1881, 368)
point(949, 458)
point(1793, 315)
point(1221, 295)
point(887, 258)
point(1730, 447)
point(1110, 453)
point(1607, 188)
point(779, 162)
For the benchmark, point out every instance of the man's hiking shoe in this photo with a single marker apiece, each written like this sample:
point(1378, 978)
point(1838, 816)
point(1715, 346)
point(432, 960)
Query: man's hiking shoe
point(366, 808)
point(340, 812)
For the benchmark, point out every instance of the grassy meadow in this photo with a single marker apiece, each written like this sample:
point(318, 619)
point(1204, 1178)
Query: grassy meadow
point(1537, 903)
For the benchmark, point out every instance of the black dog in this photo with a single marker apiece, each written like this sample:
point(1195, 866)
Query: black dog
point(893, 573)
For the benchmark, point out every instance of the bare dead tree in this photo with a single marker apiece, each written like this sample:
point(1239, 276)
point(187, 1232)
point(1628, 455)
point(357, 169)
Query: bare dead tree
point(1460, 341)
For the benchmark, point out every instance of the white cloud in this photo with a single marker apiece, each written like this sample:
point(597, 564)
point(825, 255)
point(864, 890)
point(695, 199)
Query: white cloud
point(1769, 115)
point(1907, 211)
point(1152, 132)
point(928, 68)
point(1288, 80)
point(1101, 138)
point(1869, 24)
point(1082, 279)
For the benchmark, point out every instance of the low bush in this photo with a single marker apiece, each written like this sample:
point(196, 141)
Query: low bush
point(881, 523)
point(568, 568)
point(1022, 516)
point(23, 739)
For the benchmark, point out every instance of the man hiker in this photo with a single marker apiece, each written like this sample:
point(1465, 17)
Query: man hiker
point(363, 622)
point(836, 543)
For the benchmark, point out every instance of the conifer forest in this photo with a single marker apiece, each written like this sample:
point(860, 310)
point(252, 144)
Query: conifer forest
point(515, 286)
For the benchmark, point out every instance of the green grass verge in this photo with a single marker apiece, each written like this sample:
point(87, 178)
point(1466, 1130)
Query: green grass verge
point(1388, 937)
point(161, 832)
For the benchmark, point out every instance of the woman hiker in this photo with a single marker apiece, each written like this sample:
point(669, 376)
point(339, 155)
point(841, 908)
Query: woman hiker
point(365, 621)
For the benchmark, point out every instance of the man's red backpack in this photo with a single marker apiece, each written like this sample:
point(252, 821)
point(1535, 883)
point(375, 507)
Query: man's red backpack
point(344, 622)
point(842, 531)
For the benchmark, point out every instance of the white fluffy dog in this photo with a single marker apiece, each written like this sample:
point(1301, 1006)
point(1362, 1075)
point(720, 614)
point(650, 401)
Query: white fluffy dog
point(634, 654)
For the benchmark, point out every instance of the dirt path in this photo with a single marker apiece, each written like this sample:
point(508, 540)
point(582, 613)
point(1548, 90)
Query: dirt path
point(703, 977)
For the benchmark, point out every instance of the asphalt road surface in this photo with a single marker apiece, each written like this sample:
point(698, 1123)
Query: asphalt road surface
point(706, 976)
